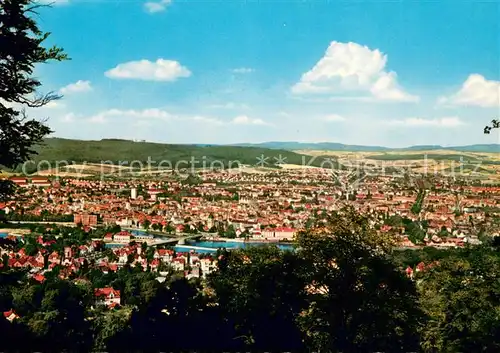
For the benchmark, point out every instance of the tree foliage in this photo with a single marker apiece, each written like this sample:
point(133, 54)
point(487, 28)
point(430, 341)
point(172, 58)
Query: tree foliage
point(260, 293)
point(359, 301)
point(21, 49)
point(461, 297)
point(343, 289)
point(495, 124)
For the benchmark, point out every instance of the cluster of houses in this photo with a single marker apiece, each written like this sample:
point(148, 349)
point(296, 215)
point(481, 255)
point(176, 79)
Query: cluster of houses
point(266, 206)
point(31, 182)
point(163, 262)
point(45, 260)
point(191, 264)
point(107, 296)
point(419, 268)
point(270, 206)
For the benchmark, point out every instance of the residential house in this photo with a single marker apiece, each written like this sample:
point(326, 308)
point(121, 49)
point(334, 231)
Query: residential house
point(107, 296)
point(179, 263)
point(10, 315)
point(123, 237)
point(207, 266)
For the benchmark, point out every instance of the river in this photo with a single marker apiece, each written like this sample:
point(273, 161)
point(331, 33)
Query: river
point(214, 245)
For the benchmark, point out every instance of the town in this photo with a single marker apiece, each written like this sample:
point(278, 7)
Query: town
point(256, 176)
point(156, 223)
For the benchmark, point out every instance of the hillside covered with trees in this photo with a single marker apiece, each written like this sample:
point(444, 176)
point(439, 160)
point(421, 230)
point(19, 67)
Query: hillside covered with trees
point(116, 151)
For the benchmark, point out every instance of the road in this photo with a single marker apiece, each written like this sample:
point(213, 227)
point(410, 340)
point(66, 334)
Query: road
point(66, 224)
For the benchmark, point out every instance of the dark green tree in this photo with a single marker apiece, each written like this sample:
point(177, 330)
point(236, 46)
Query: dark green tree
point(495, 124)
point(146, 224)
point(55, 313)
point(230, 232)
point(260, 295)
point(358, 300)
point(461, 296)
point(21, 49)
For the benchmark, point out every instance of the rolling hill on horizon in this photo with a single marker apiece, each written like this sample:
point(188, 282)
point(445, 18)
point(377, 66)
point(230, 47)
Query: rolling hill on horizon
point(334, 146)
point(123, 152)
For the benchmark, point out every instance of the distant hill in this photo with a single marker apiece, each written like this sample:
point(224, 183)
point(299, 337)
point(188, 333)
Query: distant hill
point(118, 151)
point(493, 148)
point(332, 146)
point(325, 146)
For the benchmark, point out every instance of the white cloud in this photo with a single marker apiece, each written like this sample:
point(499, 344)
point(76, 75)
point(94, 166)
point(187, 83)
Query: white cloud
point(245, 120)
point(98, 119)
point(323, 99)
point(229, 105)
point(475, 91)
point(157, 6)
point(243, 70)
point(348, 68)
point(145, 117)
point(152, 113)
point(53, 105)
point(439, 122)
point(148, 117)
point(333, 118)
point(68, 118)
point(77, 87)
point(204, 119)
point(161, 70)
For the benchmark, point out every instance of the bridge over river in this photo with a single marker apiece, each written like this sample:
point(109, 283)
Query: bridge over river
point(164, 241)
point(176, 241)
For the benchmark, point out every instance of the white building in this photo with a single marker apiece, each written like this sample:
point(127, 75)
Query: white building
point(207, 266)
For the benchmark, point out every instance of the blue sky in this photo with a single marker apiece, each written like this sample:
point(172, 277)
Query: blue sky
point(391, 73)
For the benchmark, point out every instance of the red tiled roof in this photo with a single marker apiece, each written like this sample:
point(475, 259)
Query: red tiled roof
point(9, 313)
point(39, 278)
point(284, 229)
point(98, 292)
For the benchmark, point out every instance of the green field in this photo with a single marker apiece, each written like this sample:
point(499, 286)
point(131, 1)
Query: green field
point(469, 168)
point(420, 156)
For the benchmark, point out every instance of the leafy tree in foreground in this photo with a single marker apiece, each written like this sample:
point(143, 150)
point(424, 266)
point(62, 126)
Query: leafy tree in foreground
point(55, 314)
point(260, 294)
point(21, 48)
point(358, 300)
point(112, 329)
point(461, 296)
point(337, 293)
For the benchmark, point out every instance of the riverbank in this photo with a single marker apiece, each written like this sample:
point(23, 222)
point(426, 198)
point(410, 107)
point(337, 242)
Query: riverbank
point(237, 244)
point(243, 240)
point(14, 231)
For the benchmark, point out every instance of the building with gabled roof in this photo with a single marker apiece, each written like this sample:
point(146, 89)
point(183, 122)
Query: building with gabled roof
point(107, 296)
point(10, 315)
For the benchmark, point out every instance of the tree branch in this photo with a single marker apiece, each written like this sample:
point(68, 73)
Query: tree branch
point(495, 124)
point(39, 101)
